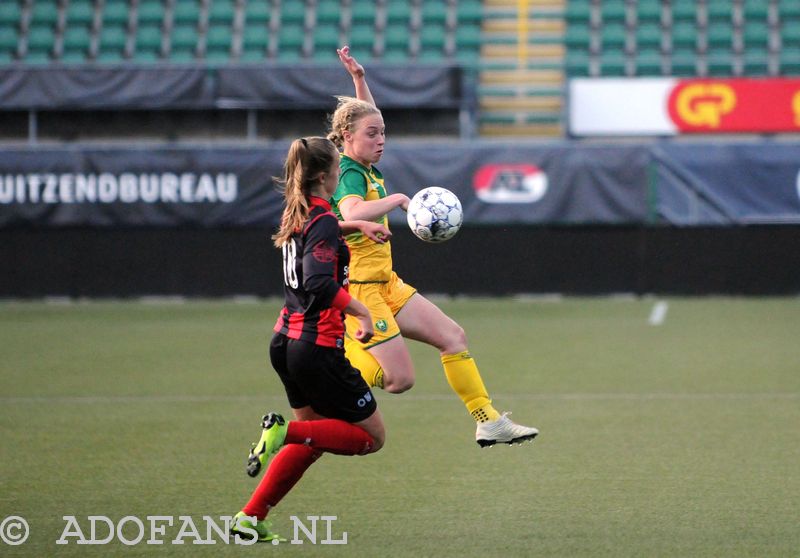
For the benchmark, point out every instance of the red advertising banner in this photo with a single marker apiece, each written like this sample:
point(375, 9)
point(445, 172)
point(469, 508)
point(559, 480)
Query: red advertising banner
point(735, 105)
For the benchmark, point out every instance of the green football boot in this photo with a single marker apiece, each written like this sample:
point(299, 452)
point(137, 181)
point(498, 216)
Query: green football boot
point(261, 528)
point(272, 438)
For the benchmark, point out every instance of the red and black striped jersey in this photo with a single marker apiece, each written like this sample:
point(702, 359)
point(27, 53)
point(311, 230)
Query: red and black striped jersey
point(315, 267)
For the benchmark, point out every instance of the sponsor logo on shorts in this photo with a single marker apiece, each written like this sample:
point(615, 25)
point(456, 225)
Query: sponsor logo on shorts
point(381, 325)
point(364, 400)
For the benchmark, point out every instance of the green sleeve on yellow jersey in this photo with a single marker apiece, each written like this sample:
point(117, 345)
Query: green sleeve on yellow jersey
point(351, 183)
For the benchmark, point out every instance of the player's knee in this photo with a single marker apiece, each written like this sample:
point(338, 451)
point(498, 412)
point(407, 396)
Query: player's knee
point(378, 440)
point(455, 340)
point(397, 385)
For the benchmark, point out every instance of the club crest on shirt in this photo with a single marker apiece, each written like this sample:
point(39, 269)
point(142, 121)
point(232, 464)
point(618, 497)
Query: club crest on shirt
point(324, 253)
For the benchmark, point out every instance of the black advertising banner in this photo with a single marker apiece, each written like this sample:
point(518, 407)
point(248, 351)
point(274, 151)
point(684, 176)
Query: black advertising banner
point(728, 184)
point(497, 183)
point(140, 187)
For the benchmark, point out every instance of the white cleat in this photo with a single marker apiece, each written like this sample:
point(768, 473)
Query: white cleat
point(503, 431)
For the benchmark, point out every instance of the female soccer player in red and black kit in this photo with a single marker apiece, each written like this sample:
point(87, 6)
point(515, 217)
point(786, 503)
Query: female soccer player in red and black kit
point(334, 408)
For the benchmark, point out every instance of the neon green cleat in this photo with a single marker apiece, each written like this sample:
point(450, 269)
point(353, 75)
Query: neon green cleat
point(244, 526)
point(272, 438)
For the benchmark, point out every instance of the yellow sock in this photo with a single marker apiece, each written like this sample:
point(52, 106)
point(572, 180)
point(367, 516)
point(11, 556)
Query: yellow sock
point(463, 376)
point(360, 358)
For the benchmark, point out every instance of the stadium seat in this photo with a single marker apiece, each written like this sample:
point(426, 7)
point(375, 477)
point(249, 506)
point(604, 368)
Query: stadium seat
point(648, 62)
point(44, 13)
point(255, 39)
point(184, 38)
point(362, 36)
point(578, 35)
point(470, 12)
point(468, 37)
point(256, 11)
point(112, 39)
point(577, 63)
point(613, 36)
point(683, 10)
point(218, 40)
point(719, 35)
point(789, 59)
point(290, 42)
point(293, 13)
point(755, 35)
point(790, 34)
point(648, 11)
point(612, 11)
point(398, 12)
point(612, 63)
point(719, 11)
point(432, 36)
point(648, 35)
point(80, 12)
point(363, 12)
point(684, 62)
point(755, 10)
point(755, 62)
point(221, 12)
point(434, 13)
point(328, 11)
point(720, 63)
point(186, 12)
point(41, 38)
point(396, 37)
point(326, 37)
point(150, 11)
point(116, 12)
point(684, 34)
point(10, 14)
point(9, 39)
point(788, 10)
point(578, 11)
point(148, 42)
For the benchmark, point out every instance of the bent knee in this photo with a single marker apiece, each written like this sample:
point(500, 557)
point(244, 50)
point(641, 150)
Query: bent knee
point(455, 340)
point(397, 385)
point(377, 443)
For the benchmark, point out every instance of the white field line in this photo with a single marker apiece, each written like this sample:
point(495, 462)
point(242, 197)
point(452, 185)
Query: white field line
point(659, 313)
point(106, 399)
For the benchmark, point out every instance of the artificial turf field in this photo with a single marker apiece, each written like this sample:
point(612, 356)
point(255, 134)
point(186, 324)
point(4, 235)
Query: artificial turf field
point(678, 439)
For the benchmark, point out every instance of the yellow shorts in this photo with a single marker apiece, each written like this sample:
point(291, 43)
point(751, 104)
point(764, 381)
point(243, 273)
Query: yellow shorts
point(383, 300)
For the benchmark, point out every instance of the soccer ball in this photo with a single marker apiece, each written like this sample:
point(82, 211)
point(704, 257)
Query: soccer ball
point(434, 214)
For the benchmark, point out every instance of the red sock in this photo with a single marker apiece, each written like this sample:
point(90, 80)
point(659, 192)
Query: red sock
point(331, 435)
point(283, 472)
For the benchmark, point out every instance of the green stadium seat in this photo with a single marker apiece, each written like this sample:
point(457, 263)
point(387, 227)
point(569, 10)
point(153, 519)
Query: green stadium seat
point(221, 12)
point(612, 11)
point(219, 38)
point(73, 56)
point(789, 59)
point(577, 63)
point(9, 38)
point(256, 11)
point(396, 37)
point(324, 55)
point(77, 37)
point(110, 56)
point(684, 34)
point(648, 35)
point(434, 13)
point(648, 62)
point(431, 55)
point(329, 11)
point(719, 10)
point(151, 11)
point(684, 62)
point(470, 12)
point(362, 53)
point(578, 11)
point(10, 14)
point(398, 12)
point(43, 13)
point(363, 12)
point(578, 35)
point(116, 12)
point(38, 57)
point(612, 63)
point(432, 36)
point(468, 37)
point(182, 55)
point(148, 38)
point(613, 36)
point(788, 10)
point(362, 35)
point(255, 37)
point(184, 37)
point(326, 37)
point(720, 63)
point(80, 12)
point(648, 11)
point(186, 12)
point(293, 13)
point(683, 10)
point(41, 38)
point(755, 34)
point(790, 34)
point(290, 37)
point(755, 62)
point(719, 35)
point(112, 37)
point(755, 10)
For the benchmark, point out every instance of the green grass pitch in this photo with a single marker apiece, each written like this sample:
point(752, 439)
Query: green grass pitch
point(678, 439)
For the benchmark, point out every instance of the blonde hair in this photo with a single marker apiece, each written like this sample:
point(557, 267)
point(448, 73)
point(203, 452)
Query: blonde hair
point(306, 160)
point(349, 111)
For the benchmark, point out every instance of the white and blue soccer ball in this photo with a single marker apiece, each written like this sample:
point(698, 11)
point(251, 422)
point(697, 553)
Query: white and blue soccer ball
point(435, 214)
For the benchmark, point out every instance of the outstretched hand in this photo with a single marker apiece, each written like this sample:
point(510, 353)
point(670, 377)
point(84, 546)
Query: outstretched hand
point(350, 64)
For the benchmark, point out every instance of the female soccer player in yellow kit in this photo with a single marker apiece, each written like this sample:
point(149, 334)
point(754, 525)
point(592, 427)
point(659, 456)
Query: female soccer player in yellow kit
point(398, 310)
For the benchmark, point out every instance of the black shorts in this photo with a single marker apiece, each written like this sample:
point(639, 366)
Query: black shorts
point(321, 377)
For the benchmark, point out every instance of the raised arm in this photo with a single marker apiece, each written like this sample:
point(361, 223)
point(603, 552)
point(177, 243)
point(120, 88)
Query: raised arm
point(356, 71)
